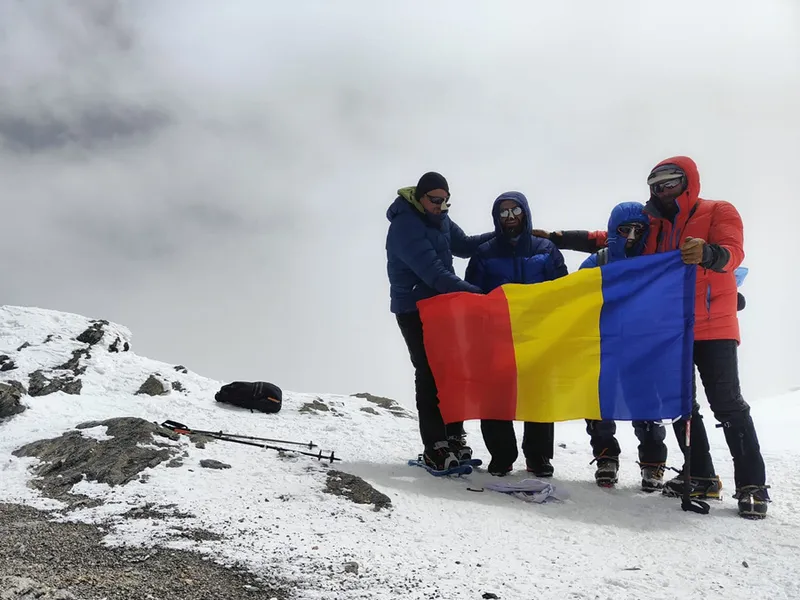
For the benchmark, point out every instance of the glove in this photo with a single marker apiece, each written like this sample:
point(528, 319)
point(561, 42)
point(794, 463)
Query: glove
point(692, 251)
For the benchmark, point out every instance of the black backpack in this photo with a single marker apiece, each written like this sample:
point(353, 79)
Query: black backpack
point(258, 395)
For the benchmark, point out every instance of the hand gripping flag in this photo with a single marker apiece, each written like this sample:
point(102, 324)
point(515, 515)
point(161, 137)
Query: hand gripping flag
point(614, 342)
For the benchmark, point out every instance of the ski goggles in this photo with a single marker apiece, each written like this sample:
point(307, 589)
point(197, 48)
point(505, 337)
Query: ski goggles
point(507, 213)
point(437, 200)
point(626, 228)
point(666, 177)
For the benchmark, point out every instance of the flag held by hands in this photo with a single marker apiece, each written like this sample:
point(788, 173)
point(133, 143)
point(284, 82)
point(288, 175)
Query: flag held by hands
point(613, 342)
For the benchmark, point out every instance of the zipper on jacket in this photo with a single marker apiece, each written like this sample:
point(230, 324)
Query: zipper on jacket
point(708, 299)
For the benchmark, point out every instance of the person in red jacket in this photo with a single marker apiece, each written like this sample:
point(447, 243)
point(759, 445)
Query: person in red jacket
point(709, 233)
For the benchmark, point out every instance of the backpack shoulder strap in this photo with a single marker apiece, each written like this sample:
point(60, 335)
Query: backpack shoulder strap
point(602, 257)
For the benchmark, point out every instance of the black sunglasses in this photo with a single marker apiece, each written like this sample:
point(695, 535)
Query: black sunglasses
point(437, 199)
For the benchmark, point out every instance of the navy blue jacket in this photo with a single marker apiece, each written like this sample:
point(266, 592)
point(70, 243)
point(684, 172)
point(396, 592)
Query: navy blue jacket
point(419, 253)
point(531, 260)
point(625, 212)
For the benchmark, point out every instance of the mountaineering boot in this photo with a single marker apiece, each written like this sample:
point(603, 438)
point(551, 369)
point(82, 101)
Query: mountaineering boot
point(459, 447)
point(753, 500)
point(702, 488)
point(499, 470)
point(440, 457)
point(652, 476)
point(539, 466)
point(607, 468)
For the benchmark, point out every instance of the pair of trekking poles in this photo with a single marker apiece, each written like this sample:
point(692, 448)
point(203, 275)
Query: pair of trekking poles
point(250, 440)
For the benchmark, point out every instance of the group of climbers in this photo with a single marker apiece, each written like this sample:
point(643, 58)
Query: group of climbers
point(421, 243)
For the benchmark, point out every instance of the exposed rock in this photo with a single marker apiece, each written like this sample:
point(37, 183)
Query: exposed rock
point(153, 511)
point(49, 338)
point(153, 387)
point(175, 463)
point(6, 364)
point(39, 385)
point(74, 363)
point(351, 567)
point(178, 386)
point(114, 347)
point(10, 394)
point(74, 557)
point(180, 369)
point(315, 406)
point(356, 489)
point(24, 588)
point(370, 410)
point(385, 403)
point(94, 333)
point(23, 346)
point(210, 463)
point(66, 460)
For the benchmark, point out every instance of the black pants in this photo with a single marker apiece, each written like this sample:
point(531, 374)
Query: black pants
point(431, 425)
point(652, 448)
point(501, 441)
point(717, 363)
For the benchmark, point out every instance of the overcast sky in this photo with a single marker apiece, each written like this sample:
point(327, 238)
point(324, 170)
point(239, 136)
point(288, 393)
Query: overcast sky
point(215, 176)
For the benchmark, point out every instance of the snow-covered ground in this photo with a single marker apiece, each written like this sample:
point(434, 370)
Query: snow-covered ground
point(438, 540)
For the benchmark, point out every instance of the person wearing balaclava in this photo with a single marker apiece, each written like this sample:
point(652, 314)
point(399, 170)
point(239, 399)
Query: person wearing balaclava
point(514, 255)
point(420, 245)
point(627, 234)
point(710, 234)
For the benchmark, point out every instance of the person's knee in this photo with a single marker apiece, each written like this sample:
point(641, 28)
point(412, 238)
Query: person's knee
point(649, 431)
point(734, 414)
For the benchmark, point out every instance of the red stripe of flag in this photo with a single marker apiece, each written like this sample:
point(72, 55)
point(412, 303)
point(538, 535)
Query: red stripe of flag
point(470, 350)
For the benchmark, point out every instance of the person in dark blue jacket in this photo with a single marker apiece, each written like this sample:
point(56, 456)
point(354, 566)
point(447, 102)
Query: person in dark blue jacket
point(420, 246)
point(628, 228)
point(515, 256)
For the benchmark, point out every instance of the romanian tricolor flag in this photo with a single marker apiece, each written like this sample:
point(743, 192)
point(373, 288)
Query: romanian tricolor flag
point(612, 342)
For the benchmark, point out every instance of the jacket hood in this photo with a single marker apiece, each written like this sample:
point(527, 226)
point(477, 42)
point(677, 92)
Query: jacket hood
point(689, 197)
point(626, 212)
point(407, 202)
point(520, 199)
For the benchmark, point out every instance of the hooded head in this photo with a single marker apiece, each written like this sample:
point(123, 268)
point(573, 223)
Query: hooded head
point(510, 226)
point(628, 227)
point(674, 186)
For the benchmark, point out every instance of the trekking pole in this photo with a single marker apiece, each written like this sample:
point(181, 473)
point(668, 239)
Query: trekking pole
point(687, 504)
point(182, 429)
point(175, 424)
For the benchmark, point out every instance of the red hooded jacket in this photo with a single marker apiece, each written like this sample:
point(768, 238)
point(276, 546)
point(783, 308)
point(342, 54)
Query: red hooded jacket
point(716, 222)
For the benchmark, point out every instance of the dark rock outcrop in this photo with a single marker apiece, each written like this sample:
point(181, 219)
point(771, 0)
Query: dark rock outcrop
point(94, 333)
point(6, 364)
point(356, 489)
point(68, 459)
point(386, 403)
point(153, 386)
point(10, 394)
point(40, 385)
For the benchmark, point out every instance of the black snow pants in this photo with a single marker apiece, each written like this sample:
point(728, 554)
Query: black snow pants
point(431, 425)
point(717, 363)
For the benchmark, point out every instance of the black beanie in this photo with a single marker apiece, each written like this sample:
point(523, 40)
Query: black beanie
point(429, 182)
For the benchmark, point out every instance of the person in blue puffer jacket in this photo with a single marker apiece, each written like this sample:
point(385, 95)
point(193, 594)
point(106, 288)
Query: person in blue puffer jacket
point(420, 245)
point(628, 228)
point(516, 256)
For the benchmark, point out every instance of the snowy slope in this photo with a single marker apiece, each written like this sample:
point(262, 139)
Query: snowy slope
point(438, 540)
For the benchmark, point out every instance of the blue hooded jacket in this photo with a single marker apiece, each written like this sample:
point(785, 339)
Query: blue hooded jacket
point(531, 260)
point(625, 212)
point(419, 253)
